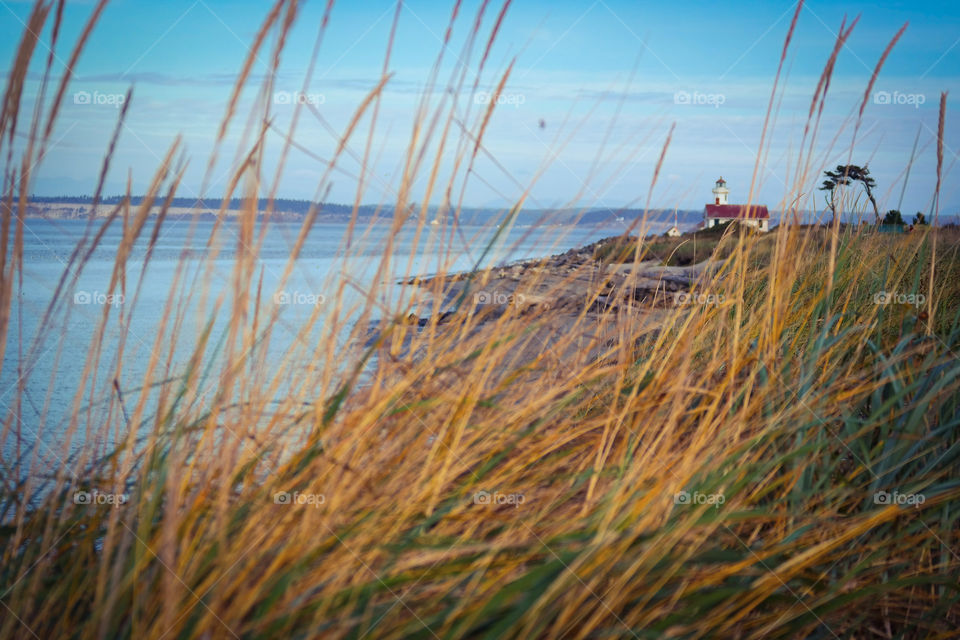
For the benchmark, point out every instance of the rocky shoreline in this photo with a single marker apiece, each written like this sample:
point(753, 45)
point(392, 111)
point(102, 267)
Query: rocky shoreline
point(576, 303)
point(561, 283)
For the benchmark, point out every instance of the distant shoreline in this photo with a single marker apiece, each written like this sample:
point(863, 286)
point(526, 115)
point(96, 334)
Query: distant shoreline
point(70, 212)
point(80, 208)
point(74, 213)
point(287, 210)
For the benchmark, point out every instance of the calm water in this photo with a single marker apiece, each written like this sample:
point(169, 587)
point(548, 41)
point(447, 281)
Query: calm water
point(51, 363)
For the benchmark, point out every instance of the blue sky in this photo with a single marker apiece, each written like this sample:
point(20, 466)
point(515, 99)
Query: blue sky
point(605, 79)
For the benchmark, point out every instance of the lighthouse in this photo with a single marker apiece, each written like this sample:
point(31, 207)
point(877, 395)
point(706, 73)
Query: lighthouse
point(720, 192)
point(718, 213)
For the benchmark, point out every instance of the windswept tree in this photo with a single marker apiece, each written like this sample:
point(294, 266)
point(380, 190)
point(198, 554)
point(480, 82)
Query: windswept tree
point(893, 217)
point(845, 175)
point(919, 219)
point(833, 180)
point(862, 175)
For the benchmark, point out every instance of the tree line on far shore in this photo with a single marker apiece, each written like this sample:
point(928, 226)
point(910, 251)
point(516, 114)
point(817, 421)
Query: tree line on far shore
point(279, 204)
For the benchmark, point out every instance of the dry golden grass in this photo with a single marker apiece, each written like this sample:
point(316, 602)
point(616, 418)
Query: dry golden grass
point(472, 493)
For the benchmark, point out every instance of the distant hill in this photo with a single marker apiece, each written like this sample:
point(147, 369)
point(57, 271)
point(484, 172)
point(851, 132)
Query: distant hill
point(79, 207)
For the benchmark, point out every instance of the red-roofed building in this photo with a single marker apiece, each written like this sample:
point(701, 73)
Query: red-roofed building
point(720, 212)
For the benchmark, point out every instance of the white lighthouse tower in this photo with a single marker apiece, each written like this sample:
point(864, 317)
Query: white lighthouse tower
point(720, 192)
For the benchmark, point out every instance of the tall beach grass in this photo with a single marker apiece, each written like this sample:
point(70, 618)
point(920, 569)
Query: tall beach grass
point(779, 463)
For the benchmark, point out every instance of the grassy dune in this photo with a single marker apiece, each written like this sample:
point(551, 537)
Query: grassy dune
point(778, 460)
